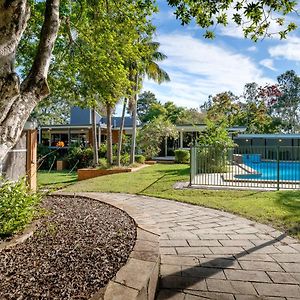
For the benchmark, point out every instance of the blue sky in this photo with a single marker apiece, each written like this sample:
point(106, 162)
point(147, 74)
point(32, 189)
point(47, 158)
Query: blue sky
point(199, 67)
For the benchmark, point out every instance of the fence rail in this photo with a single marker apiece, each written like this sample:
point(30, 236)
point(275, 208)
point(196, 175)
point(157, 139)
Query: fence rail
point(246, 167)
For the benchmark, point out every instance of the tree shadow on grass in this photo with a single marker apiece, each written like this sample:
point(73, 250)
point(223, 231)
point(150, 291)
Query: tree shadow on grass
point(290, 202)
point(189, 278)
point(175, 171)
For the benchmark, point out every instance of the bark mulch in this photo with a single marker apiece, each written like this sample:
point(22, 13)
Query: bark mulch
point(78, 247)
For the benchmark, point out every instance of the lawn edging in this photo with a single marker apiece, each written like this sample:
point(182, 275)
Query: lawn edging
point(87, 173)
point(138, 278)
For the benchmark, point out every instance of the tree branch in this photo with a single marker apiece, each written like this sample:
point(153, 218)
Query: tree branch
point(36, 81)
point(14, 15)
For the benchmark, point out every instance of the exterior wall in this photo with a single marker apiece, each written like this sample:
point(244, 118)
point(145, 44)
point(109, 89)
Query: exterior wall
point(267, 147)
point(14, 164)
point(115, 135)
point(22, 159)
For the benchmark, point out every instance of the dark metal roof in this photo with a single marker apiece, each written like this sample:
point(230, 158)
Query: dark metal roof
point(269, 136)
point(116, 122)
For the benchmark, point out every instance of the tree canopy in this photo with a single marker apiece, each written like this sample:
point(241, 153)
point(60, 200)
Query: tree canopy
point(262, 109)
point(255, 17)
point(30, 29)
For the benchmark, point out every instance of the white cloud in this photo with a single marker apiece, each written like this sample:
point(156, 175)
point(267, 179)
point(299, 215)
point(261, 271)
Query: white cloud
point(289, 49)
point(268, 63)
point(200, 68)
point(252, 49)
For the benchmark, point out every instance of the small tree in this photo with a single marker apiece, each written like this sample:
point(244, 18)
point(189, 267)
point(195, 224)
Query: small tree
point(153, 134)
point(215, 143)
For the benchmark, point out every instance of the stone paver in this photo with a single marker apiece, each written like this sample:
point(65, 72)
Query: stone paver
point(209, 254)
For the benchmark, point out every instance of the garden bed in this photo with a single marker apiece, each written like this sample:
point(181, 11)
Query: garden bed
point(78, 247)
point(88, 173)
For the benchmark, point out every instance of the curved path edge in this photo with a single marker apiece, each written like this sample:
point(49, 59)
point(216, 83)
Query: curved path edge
point(138, 278)
point(210, 254)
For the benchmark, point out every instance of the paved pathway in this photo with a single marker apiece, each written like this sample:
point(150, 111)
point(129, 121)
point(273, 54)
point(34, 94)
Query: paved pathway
point(209, 254)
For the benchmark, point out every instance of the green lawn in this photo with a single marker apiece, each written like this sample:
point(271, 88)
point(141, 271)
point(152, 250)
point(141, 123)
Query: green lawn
point(281, 209)
point(55, 179)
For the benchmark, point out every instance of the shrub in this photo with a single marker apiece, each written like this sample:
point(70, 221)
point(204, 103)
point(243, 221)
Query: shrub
point(212, 159)
point(84, 157)
point(140, 159)
point(152, 135)
point(125, 158)
point(182, 156)
point(102, 150)
point(103, 164)
point(17, 206)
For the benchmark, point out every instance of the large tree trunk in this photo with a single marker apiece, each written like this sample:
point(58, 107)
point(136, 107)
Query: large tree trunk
point(134, 119)
point(95, 143)
point(18, 100)
point(120, 140)
point(109, 134)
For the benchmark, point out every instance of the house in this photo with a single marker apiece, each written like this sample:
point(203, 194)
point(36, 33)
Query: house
point(79, 130)
point(189, 134)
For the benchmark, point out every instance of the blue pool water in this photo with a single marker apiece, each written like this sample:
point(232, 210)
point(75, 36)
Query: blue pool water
point(268, 170)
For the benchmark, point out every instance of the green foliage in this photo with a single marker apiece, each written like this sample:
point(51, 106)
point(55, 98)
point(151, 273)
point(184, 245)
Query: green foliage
point(95, 45)
point(214, 145)
point(255, 18)
point(191, 116)
point(223, 107)
point(17, 207)
point(145, 101)
point(215, 135)
point(140, 159)
point(83, 157)
point(182, 156)
point(102, 150)
point(125, 158)
point(152, 135)
point(103, 164)
point(287, 106)
point(149, 108)
point(254, 109)
point(212, 159)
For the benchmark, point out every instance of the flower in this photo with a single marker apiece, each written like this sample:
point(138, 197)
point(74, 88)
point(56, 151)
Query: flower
point(60, 144)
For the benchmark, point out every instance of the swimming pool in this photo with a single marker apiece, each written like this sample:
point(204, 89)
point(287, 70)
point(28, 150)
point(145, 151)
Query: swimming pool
point(269, 170)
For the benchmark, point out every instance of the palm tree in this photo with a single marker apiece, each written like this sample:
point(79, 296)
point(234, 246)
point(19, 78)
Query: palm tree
point(148, 66)
point(120, 136)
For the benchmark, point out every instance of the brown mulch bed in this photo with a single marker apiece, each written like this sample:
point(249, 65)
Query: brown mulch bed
point(78, 247)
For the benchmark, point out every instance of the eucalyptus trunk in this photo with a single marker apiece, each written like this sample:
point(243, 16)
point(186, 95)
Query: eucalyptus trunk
point(134, 119)
point(95, 143)
point(109, 134)
point(120, 137)
point(17, 100)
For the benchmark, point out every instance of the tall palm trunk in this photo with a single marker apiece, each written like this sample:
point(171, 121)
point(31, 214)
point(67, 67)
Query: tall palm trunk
point(134, 119)
point(121, 133)
point(109, 134)
point(95, 144)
